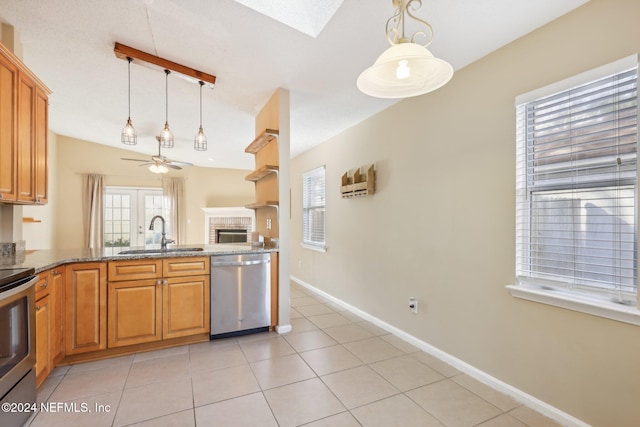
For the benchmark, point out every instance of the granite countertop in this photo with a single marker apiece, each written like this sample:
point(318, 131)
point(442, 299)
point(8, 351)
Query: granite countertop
point(45, 259)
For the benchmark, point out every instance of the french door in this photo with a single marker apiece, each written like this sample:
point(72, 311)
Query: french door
point(127, 215)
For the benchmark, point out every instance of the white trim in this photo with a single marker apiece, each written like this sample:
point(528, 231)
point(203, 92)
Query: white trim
point(314, 247)
point(517, 394)
point(603, 71)
point(583, 304)
point(283, 329)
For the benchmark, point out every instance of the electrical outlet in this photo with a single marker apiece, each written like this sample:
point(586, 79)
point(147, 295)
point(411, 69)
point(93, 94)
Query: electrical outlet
point(413, 305)
point(268, 223)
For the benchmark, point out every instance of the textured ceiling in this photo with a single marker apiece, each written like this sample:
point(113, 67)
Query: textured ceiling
point(69, 45)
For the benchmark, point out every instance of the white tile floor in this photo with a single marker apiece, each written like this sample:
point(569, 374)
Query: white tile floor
point(334, 369)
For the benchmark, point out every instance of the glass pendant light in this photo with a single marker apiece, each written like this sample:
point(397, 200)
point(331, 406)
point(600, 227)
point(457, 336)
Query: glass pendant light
point(166, 136)
point(129, 136)
point(200, 141)
point(407, 68)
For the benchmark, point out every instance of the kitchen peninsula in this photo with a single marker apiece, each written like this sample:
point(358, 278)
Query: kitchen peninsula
point(96, 304)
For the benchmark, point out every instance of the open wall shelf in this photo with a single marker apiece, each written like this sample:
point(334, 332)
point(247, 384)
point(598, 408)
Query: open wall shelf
point(359, 184)
point(261, 172)
point(261, 140)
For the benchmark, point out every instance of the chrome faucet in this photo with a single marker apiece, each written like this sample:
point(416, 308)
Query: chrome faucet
point(164, 240)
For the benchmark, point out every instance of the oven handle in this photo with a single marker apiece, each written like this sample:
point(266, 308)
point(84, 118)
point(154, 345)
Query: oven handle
point(21, 288)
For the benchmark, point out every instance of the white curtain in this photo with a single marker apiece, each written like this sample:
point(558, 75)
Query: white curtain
point(173, 192)
point(93, 210)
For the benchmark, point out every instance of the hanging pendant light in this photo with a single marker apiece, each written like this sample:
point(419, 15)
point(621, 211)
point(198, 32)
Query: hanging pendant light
point(200, 141)
point(166, 136)
point(129, 136)
point(406, 68)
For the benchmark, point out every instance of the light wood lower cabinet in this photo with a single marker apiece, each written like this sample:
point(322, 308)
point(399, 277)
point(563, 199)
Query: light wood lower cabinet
point(44, 361)
point(49, 297)
point(147, 302)
point(185, 306)
point(56, 285)
point(85, 307)
point(135, 312)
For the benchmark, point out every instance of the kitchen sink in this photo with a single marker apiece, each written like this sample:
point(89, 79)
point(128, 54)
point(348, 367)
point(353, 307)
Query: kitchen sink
point(158, 251)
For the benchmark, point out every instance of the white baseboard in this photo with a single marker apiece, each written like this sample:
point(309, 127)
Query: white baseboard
point(515, 393)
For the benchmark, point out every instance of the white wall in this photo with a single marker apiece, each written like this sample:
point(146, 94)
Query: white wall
point(441, 226)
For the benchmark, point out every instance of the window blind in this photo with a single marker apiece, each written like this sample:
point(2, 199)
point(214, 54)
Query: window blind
point(313, 201)
point(576, 186)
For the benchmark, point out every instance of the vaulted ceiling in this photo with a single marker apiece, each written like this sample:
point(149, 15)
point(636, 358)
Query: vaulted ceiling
point(314, 49)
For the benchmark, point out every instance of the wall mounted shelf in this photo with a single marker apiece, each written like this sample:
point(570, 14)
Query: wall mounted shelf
point(261, 140)
point(267, 204)
point(261, 172)
point(358, 184)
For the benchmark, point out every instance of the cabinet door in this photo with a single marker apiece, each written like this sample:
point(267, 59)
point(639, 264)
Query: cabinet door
point(26, 139)
point(40, 146)
point(185, 306)
point(85, 307)
point(43, 339)
point(56, 285)
point(135, 312)
point(8, 132)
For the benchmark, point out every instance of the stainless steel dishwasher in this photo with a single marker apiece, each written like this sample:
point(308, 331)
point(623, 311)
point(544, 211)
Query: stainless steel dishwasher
point(240, 294)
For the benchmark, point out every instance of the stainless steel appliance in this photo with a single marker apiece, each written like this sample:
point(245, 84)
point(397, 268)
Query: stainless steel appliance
point(240, 294)
point(17, 344)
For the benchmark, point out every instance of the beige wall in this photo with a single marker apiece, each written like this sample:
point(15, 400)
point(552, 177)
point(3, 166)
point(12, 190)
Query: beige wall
point(204, 187)
point(41, 235)
point(441, 226)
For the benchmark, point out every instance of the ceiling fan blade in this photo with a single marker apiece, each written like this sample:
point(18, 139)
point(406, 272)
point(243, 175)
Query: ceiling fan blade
point(172, 166)
point(134, 160)
point(146, 164)
point(180, 163)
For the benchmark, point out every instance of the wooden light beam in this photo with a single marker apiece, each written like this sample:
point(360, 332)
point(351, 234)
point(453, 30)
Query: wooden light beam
point(155, 62)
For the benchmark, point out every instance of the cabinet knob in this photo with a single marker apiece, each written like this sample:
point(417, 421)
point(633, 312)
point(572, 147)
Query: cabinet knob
point(44, 284)
point(1, 196)
point(38, 308)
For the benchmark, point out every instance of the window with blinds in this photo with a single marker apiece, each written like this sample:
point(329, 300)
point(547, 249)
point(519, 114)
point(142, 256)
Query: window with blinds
point(313, 208)
point(577, 183)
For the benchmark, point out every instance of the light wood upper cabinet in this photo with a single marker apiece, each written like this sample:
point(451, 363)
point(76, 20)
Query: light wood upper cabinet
point(85, 307)
point(23, 133)
point(8, 138)
point(26, 137)
point(40, 174)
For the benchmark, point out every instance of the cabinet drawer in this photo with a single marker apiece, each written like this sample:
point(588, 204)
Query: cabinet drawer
point(42, 285)
point(134, 270)
point(192, 266)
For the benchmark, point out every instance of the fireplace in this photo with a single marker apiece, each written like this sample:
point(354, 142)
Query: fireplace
point(228, 225)
point(233, 235)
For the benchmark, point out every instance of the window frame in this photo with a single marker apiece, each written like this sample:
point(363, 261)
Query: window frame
point(582, 299)
point(308, 208)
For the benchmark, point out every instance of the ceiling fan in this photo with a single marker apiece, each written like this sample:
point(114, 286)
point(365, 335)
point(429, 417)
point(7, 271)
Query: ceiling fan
point(159, 163)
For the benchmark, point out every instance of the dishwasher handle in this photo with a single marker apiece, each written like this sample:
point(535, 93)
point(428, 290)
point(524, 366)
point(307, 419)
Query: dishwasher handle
point(239, 263)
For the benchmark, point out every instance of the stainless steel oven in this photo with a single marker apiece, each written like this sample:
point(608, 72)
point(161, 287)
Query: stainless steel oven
point(17, 344)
